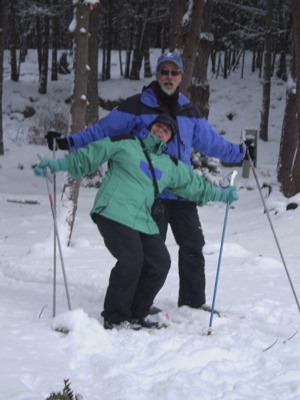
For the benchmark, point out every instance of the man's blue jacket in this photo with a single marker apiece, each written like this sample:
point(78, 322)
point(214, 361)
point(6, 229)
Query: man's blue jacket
point(137, 112)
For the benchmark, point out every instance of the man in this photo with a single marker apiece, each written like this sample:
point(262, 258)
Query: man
point(122, 212)
point(194, 131)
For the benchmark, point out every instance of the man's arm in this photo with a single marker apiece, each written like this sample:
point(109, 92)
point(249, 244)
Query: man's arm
point(211, 144)
point(115, 123)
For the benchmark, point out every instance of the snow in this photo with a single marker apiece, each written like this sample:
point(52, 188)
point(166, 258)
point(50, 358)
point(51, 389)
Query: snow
point(180, 362)
point(188, 15)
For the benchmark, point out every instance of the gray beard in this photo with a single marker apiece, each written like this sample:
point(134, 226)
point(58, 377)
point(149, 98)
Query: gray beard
point(168, 92)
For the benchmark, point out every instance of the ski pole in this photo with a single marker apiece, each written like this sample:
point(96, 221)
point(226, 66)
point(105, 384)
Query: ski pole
point(54, 236)
point(273, 231)
point(48, 179)
point(233, 175)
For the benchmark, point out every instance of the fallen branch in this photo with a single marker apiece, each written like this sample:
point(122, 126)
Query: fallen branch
point(31, 202)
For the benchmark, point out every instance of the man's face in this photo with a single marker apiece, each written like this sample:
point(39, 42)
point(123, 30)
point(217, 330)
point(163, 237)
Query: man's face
point(163, 131)
point(169, 77)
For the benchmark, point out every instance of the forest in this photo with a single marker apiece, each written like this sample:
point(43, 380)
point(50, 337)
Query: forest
point(211, 32)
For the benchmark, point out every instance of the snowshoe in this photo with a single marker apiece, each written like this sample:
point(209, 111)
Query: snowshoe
point(148, 324)
point(122, 325)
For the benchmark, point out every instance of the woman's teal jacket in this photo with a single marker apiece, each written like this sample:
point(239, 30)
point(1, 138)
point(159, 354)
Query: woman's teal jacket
point(126, 193)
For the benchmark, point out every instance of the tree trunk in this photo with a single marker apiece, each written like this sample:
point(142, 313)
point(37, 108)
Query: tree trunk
point(109, 40)
point(296, 36)
point(38, 35)
point(213, 57)
point(288, 142)
point(106, 40)
point(14, 76)
point(141, 40)
point(200, 87)
point(267, 72)
point(253, 60)
point(191, 37)
point(54, 41)
point(44, 54)
point(3, 15)
point(288, 167)
point(128, 49)
point(225, 69)
point(120, 62)
point(283, 43)
point(103, 62)
point(147, 64)
point(92, 113)
point(177, 9)
point(54, 66)
point(79, 96)
point(281, 72)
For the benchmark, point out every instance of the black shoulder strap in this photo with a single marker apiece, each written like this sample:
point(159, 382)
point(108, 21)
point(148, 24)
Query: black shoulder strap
point(121, 137)
point(156, 190)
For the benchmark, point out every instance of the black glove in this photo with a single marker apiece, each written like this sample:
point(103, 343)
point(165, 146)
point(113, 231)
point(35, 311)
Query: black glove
point(61, 143)
point(250, 149)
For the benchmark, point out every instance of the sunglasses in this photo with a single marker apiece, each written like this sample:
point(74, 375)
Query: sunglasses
point(166, 72)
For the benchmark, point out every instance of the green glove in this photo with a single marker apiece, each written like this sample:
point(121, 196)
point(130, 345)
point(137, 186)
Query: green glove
point(228, 194)
point(54, 164)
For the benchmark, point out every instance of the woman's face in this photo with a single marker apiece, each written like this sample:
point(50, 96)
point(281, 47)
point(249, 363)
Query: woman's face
point(163, 131)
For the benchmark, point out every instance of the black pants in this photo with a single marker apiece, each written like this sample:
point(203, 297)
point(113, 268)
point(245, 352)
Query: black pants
point(143, 262)
point(184, 221)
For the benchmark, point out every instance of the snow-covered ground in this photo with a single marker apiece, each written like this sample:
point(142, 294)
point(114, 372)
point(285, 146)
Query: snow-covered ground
point(181, 362)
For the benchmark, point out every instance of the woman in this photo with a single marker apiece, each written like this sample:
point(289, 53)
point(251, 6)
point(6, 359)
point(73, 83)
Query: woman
point(138, 170)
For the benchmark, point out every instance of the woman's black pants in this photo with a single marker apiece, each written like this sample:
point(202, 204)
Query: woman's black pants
point(143, 262)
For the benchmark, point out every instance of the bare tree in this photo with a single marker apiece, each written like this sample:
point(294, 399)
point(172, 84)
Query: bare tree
point(267, 72)
point(79, 102)
point(283, 39)
point(140, 38)
point(296, 35)
point(288, 142)
point(44, 50)
point(129, 42)
point(3, 14)
point(200, 86)
point(177, 9)
point(107, 38)
point(288, 167)
point(54, 42)
point(92, 113)
point(191, 28)
point(185, 37)
point(13, 39)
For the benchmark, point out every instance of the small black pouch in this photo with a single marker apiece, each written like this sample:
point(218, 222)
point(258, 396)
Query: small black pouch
point(158, 209)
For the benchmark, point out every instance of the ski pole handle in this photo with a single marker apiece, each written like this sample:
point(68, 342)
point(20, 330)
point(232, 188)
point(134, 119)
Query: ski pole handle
point(233, 176)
